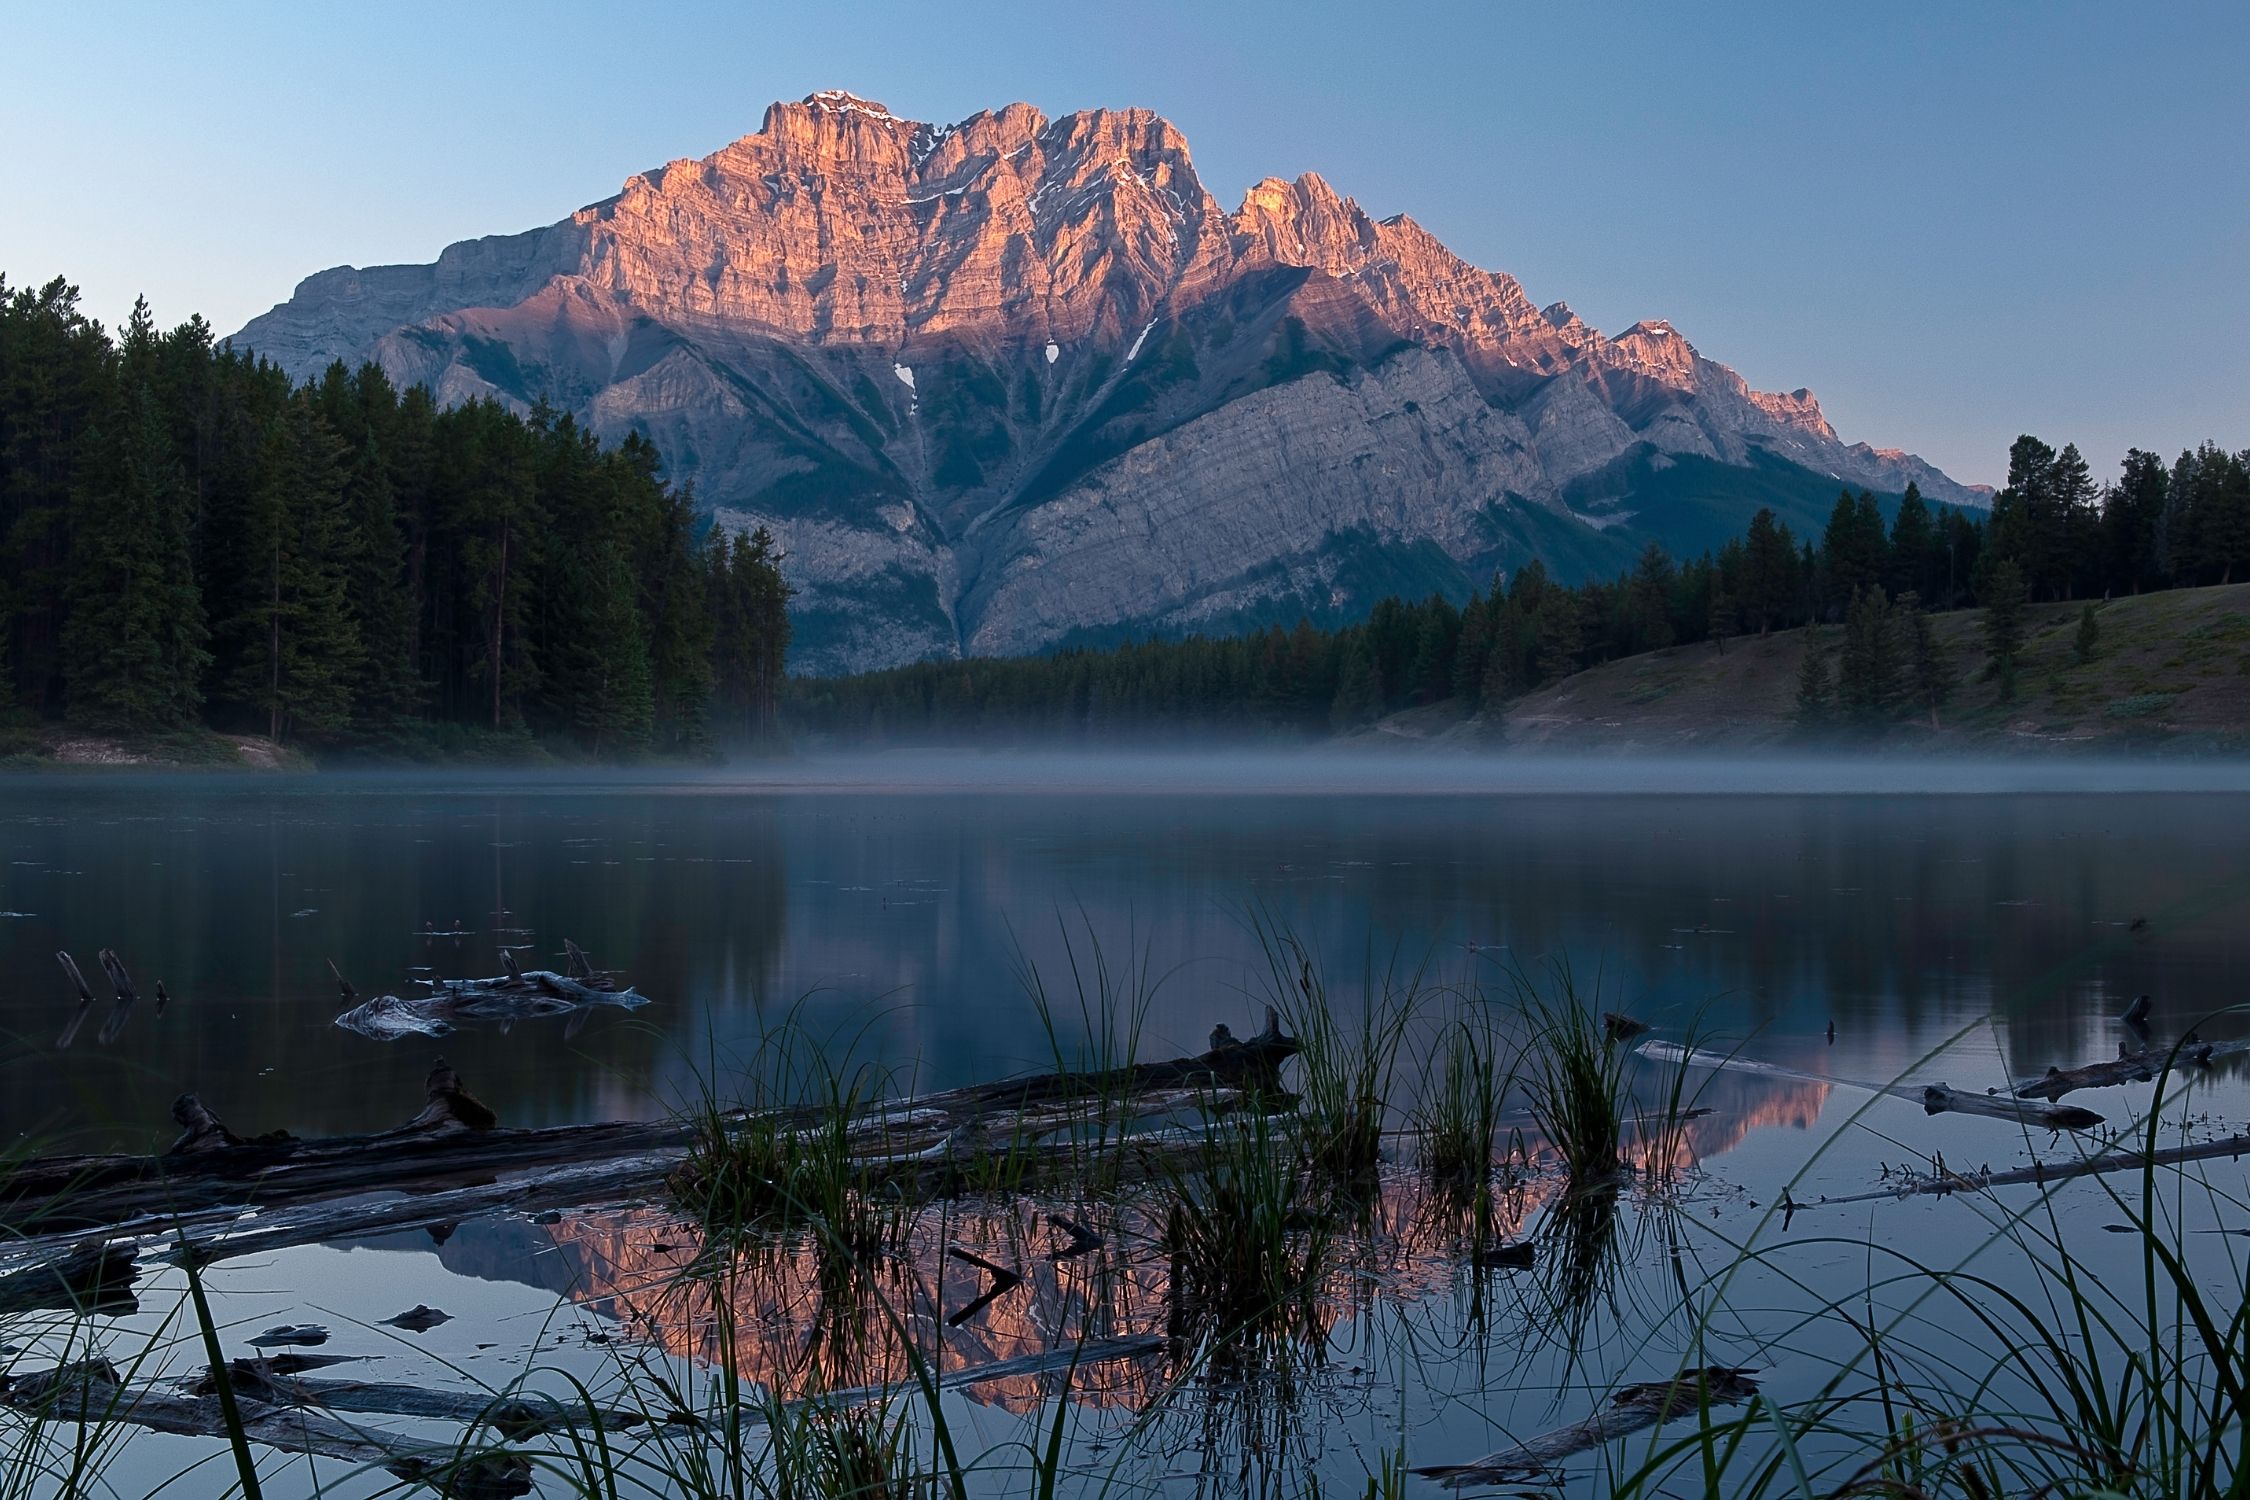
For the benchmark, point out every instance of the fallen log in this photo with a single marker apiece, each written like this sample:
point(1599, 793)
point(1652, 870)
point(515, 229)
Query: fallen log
point(210, 1166)
point(277, 1409)
point(2131, 1065)
point(1935, 1098)
point(90, 1391)
point(517, 995)
point(1251, 1063)
point(453, 1150)
point(1633, 1408)
point(94, 1277)
point(1945, 1181)
point(276, 1382)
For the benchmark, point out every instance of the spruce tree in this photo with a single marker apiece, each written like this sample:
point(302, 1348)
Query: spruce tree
point(1561, 637)
point(1916, 548)
point(1770, 564)
point(2132, 522)
point(614, 707)
point(1929, 665)
point(1815, 693)
point(677, 598)
point(2088, 638)
point(1359, 693)
point(1725, 618)
point(296, 644)
point(2003, 626)
point(132, 644)
point(2077, 542)
point(1867, 678)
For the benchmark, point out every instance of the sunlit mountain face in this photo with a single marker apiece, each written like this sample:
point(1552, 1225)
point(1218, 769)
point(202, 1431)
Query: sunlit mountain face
point(1015, 380)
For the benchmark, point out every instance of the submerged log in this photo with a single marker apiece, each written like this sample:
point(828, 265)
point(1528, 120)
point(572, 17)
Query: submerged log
point(1935, 1098)
point(276, 1382)
point(1942, 1181)
point(1633, 1408)
point(279, 1409)
point(121, 1007)
point(2131, 1065)
point(516, 995)
point(452, 1151)
point(1252, 1063)
point(90, 1391)
point(94, 1277)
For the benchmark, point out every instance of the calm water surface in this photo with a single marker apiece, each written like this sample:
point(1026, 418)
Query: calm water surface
point(1964, 937)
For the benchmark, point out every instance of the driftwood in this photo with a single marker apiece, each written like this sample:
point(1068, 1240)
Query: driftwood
point(95, 1277)
point(458, 1162)
point(121, 1007)
point(1943, 1181)
point(276, 1382)
point(516, 995)
point(279, 1409)
point(1935, 1098)
point(2131, 1065)
point(1633, 1408)
point(212, 1167)
point(90, 1391)
point(1252, 1063)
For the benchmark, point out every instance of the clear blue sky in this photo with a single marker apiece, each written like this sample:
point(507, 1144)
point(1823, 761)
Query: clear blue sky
point(1955, 222)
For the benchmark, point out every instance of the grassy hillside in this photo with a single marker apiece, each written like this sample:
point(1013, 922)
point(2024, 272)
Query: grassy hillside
point(2171, 670)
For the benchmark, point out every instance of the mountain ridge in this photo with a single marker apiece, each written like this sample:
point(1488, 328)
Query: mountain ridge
point(1012, 379)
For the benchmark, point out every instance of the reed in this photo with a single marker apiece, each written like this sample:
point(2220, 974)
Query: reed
point(1247, 1237)
point(1458, 1120)
point(1349, 1051)
point(1576, 1085)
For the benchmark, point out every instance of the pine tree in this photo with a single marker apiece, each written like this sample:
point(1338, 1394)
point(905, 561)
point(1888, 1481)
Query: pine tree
point(58, 383)
point(2132, 521)
point(1561, 637)
point(1647, 600)
point(302, 653)
point(2077, 541)
point(1916, 548)
point(1867, 685)
point(2088, 638)
point(2003, 626)
point(1929, 664)
point(750, 633)
point(1815, 693)
point(677, 600)
point(614, 706)
point(1854, 553)
point(1724, 617)
point(1359, 693)
point(1770, 563)
point(132, 643)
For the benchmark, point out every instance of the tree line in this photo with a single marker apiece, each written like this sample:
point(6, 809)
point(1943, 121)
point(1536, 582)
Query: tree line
point(193, 540)
point(2051, 534)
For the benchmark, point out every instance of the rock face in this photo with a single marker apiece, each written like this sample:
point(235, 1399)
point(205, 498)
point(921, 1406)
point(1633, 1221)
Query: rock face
point(1016, 381)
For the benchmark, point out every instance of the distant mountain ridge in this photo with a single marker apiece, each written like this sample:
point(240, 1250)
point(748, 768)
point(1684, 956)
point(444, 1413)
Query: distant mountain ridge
point(1015, 381)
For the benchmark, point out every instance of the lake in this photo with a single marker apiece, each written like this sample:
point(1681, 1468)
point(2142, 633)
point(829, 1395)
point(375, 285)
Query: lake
point(1970, 924)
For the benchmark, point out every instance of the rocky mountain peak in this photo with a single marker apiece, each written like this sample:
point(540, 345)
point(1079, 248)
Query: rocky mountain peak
point(1305, 223)
point(1013, 379)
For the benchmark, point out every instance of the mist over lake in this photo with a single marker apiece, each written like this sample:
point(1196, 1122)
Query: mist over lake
point(893, 900)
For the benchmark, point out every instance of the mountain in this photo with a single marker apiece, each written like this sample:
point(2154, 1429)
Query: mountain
point(1016, 381)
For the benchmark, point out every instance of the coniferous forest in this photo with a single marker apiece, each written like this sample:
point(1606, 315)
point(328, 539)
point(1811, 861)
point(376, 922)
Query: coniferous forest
point(191, 540)
point(2054, 533)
